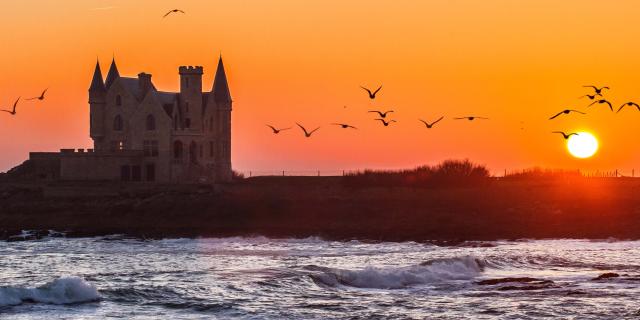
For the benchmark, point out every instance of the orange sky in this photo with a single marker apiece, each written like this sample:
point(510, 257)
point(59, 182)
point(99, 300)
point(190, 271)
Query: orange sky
point(303, 61)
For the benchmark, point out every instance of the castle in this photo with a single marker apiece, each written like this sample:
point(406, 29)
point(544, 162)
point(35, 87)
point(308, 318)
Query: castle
point(142, 134)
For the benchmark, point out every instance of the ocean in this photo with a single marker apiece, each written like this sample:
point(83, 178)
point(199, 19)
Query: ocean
point(259, 278)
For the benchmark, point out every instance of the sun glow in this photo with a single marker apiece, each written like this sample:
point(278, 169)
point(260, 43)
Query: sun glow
point(583, 145)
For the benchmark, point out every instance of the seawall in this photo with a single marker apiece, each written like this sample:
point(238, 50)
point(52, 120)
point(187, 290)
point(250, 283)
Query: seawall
point(327, 207)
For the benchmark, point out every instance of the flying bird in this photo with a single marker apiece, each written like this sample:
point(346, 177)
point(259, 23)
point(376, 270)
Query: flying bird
point(566, 111)
point(344, 125)
point(430, 125)
point(13, 111)
point(372, 95)
point(382, 114)
point(41, 97)
point(173, 11)
point(597, 90)
point(631, 104)
point(276, 131)
point(601, 101)
point(566, 136)
point(306, 133)
point(471, 118)
point(386, 123)
point(590, 96)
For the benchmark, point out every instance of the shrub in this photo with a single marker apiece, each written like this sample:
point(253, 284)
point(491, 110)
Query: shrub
point(447, 173)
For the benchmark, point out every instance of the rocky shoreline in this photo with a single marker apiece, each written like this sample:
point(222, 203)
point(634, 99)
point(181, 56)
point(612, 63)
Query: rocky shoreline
point(326, 207)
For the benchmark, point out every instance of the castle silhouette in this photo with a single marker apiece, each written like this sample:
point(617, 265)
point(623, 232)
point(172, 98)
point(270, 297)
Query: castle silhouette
point(143, 134)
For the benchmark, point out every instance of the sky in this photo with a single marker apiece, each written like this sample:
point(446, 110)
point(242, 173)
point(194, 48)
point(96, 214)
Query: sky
point(515, 62)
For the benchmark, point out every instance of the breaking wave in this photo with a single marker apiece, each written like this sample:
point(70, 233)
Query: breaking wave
point(65, 290)
point(433, 271)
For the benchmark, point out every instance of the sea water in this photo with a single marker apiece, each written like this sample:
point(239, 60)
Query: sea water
point(261, 278)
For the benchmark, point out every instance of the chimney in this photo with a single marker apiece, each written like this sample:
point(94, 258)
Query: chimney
point(144, 81)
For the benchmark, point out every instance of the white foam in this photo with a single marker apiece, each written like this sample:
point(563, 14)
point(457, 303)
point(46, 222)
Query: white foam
point(65, 290)
point(462, 268)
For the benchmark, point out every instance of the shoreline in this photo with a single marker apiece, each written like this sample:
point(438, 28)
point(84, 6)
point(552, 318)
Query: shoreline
point(326, 207)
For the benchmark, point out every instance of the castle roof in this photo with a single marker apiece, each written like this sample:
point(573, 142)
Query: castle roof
point(113, 74)
point(132, 85)
point(220, 88)
point(96, 82)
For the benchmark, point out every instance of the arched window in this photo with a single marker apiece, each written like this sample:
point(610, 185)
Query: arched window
point(117, 123)
point(151, 122)
point(177, 149)
point(118, 100)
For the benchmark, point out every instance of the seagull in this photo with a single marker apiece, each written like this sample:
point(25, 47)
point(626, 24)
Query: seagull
point(372, 95)
point(41, 97)
point(471, 118)
point(597, 90)
point(382, 114)
point(12, 112)
point(430, 125)
point(566, 111)
point(344, 125)
point(590, 96)
point(566, 136)
point(307, 134)
point(276, 131)
point(631, 104)
point(173, 11)
point(601, 101)
point(385, 123)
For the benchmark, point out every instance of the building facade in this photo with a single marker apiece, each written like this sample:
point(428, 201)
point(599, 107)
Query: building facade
point(143, 134)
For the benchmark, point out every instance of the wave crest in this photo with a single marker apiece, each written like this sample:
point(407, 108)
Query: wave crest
point(433, 271)
point(64, 290)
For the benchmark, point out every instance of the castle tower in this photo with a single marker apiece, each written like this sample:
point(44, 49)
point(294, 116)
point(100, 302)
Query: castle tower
point(112, 75)
point(191, 97)
point(97, 93)
point(223, 102)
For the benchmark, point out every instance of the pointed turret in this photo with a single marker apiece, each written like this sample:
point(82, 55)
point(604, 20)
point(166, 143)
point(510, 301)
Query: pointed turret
point(113, 74)
point(96, 83)
point(220, 88)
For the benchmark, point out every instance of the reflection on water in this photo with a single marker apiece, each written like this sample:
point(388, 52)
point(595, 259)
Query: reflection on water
point(96, 278)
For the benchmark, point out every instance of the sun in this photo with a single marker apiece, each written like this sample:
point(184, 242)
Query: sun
point(583, 145)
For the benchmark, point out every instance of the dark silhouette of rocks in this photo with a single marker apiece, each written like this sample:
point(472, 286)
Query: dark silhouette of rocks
point(607, 275)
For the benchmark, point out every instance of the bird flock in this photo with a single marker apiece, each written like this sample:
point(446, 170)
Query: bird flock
point(597, 98)
point(14, 110)
point(384, 116)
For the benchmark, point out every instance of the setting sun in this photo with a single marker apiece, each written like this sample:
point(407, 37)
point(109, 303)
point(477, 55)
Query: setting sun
point(582, 145)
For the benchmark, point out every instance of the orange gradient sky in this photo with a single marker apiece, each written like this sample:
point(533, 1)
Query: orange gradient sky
point(516, 62)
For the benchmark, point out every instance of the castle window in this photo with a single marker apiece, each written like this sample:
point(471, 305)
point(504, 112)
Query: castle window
point(187, 123)
point(211, 124)
point(120, 145)
point(150, 148)
point(210, 149)
point(118, 100)
point(151, 123)
point(177, 149)
point(117, 123)
point(175, 122)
